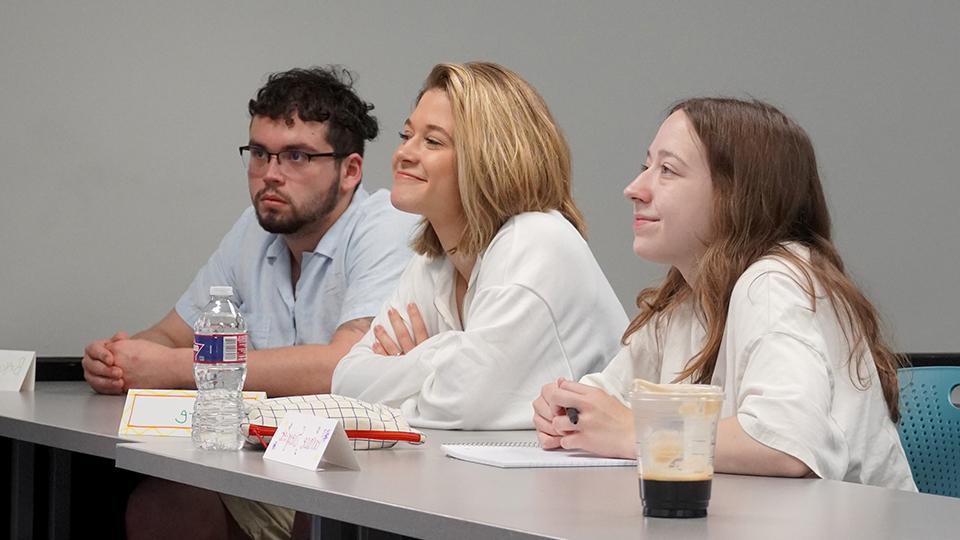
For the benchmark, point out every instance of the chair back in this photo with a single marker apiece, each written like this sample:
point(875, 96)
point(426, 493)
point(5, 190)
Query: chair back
point(930, 427)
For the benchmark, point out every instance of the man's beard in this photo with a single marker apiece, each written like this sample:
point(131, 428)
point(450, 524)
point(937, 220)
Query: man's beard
point(297, 219)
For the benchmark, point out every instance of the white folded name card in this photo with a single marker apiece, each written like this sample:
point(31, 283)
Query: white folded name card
point(305, 440)
point(18, 370)
point(164, 412)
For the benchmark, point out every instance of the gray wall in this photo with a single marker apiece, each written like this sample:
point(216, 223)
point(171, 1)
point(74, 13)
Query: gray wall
point(119, 170)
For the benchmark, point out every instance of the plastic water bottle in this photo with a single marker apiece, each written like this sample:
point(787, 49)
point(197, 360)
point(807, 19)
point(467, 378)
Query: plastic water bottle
point(219, 367)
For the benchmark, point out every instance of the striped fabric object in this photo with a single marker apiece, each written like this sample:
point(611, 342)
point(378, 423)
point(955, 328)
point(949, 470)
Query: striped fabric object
point(368, 426)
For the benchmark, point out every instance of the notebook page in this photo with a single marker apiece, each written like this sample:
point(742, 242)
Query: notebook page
point(514, 455)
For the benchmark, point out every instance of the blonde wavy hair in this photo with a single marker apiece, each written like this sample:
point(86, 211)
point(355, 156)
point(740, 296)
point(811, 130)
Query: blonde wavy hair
point(767, 193)
point(511, 155)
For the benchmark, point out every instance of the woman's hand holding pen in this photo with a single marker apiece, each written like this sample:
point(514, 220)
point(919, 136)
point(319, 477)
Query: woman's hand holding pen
point(604, 425)
point(386, 346)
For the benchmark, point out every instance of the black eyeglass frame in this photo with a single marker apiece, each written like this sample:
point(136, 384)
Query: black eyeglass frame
point(277, 154)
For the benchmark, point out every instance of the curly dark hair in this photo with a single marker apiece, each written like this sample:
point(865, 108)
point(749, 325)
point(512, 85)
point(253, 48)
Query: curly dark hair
point(319, 94)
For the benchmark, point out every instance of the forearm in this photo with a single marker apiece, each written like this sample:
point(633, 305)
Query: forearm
point(453, 382)
point(155, 366)
point(180, 367)
point(176, 367)
point(293, 371)
point(157, 336)
point(171, 331)
point(285, 371)
point(739, 453)
point(375, 377)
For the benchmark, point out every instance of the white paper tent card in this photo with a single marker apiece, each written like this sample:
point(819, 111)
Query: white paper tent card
point(18, 370)
point(305, 440)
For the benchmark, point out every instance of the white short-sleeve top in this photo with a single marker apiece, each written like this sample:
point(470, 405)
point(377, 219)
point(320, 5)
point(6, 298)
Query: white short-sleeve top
point(785, 368)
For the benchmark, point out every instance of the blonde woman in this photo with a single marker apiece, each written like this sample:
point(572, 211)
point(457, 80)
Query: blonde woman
point(504, 291)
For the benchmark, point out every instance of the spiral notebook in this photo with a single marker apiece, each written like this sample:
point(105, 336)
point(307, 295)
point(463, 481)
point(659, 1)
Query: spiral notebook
point(511, 455)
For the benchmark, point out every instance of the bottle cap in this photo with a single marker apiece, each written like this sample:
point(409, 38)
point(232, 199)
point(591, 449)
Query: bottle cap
point(221, 290)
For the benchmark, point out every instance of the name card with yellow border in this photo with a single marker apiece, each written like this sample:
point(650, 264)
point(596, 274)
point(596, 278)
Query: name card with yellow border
point(164, 412)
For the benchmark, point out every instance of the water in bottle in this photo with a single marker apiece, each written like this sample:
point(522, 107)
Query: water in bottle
point(219, 367)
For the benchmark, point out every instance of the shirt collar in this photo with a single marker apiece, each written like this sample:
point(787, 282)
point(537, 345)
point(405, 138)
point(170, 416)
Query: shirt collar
point(328, 244)
point(276, 248)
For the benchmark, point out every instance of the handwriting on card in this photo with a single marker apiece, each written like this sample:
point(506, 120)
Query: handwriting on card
point(297, 439)
point(305, 440)
point(184, 417)
point(17, 370)
point(163, 412)
point(13, 365)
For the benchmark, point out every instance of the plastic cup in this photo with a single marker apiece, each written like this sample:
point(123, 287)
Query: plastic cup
point(676, 432)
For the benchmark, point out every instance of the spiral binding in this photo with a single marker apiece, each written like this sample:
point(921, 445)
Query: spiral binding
point(514, 444)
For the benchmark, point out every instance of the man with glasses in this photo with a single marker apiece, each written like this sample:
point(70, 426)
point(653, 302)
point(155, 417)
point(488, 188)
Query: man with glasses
point(310, 262)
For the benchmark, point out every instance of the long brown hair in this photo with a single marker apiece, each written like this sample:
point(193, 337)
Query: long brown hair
point(767, 193)
point(511, 155)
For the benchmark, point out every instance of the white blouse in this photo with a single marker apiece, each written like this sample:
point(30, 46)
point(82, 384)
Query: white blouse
point(786, 375)
point(537, 307)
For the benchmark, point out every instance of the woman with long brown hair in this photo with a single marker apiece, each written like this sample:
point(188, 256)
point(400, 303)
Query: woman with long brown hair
point(756, 301)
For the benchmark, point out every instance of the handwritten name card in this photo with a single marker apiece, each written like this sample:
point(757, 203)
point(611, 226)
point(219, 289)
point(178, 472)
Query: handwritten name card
point(164, 412)
point(18, 370)
point(305, 441)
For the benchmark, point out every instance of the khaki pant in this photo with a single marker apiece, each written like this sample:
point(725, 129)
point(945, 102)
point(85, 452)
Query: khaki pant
point(261, 521)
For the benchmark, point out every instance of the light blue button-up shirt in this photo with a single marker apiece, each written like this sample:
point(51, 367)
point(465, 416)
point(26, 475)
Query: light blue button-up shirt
point(353, 269)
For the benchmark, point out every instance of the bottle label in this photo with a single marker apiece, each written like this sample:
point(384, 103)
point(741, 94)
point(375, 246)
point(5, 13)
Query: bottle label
point(220, 348)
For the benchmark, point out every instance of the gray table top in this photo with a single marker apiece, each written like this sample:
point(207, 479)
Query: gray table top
point(65, 415)
point(418, 491)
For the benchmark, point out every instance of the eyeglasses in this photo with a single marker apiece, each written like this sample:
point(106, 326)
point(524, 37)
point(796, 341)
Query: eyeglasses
point(256, 159)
